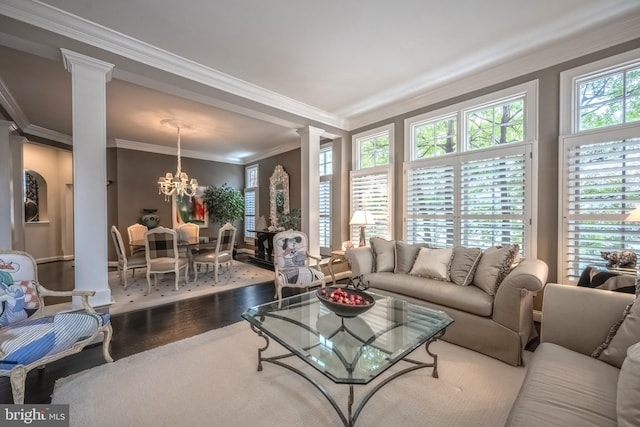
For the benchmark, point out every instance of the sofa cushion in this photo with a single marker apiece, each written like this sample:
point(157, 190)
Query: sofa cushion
point(384, 252)
point(628, 395)
point(622, 335)
point(406, 254)
point(464, 298)
point(432, 263)
point(494, 266)
point(566, 388)
point(463, 265)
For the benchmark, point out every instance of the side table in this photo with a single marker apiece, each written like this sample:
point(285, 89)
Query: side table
point(609, 278)
point(335, 256)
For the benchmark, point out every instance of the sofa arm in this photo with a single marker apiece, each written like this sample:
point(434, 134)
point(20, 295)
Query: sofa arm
point(360, 260)
point(513, 306)
point(580, 318)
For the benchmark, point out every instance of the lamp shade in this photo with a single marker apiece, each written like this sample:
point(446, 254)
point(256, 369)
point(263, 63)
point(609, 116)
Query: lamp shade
point(635, 215)
point(362, 218)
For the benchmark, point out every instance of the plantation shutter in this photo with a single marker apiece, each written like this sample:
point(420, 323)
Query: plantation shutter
point(602, 182)
point(325, 213)
point(430, 205)
point(249, 214)
point(370, 191)
point(493, 192)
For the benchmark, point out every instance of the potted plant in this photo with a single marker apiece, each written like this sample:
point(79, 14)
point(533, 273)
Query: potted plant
point(224, 204)
point(291, 220)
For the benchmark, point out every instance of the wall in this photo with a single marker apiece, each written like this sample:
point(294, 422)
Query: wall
point(134, 175)
point(50, 240)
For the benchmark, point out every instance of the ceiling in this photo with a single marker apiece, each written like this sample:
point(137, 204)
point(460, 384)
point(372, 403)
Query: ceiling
point(247, 74)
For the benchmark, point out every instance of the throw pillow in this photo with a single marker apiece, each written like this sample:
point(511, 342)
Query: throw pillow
point(31, 298)
point(463, 265)
point(494, 266)
point(622, 335)
point(384, 252)
point(405, 256)
point(432, 263)
point(628, 395)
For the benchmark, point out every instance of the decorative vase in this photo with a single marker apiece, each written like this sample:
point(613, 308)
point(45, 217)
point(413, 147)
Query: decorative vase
point(150, 218)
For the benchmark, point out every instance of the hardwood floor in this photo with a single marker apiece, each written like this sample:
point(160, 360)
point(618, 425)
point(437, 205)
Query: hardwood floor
point(138, 331)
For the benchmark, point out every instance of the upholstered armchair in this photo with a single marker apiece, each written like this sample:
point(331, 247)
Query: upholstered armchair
point(223, 253)
point(161, 251)
point(293, 264)
point(125, 263)
point(28, 338)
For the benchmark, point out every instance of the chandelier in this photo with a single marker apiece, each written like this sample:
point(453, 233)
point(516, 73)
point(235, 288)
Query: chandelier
point(179, 183)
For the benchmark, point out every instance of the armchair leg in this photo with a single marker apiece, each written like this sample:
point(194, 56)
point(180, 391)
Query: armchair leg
point(18, 377)
point(106, 341)
point(148, 282)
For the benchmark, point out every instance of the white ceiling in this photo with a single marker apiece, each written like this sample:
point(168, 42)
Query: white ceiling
point(246, 74)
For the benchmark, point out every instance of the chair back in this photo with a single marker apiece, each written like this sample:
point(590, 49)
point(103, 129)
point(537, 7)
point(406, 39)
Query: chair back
point(189, 233)
point(290, 249)
point(161, 242)
point(226, 240)
point(118, 243)
point(20, 268)
point(136, 232)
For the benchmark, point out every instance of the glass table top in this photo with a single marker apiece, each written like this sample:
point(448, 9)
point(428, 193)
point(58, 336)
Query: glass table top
point(348, 350)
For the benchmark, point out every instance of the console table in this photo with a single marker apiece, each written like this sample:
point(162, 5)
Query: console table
point(264, 248)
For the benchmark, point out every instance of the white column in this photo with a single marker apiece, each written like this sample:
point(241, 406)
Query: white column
point(6, 209)
point(88, 82)
point(310, 185)
point(17, 177)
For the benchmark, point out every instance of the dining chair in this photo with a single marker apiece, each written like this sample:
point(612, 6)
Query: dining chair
point(161, 252)
point(136, 260)
point(136, 234)
point(292, 262)
point(222, 254)
point(188, 239)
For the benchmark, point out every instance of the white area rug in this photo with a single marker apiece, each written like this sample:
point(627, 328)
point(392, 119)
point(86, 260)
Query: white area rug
point(211, 380)
point(134, 298)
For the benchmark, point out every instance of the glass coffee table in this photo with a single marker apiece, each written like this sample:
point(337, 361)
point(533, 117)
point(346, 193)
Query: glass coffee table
point(348, 350)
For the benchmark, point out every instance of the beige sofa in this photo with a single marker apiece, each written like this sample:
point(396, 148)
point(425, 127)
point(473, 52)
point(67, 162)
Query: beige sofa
point(496, 322)
point(565, 386)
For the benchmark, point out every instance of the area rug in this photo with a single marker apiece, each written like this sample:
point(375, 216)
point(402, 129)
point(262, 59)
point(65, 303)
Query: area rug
point(211, 380)
point(134, 298)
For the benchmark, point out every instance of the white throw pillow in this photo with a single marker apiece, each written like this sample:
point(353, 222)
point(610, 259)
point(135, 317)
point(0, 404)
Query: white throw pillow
point(432, 263)
point(627, 407)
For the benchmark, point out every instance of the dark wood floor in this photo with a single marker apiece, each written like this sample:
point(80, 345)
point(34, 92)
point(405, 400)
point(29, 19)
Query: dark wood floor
point(138, 331)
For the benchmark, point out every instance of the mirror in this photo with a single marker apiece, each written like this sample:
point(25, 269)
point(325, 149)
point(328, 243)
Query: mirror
point(278, 194)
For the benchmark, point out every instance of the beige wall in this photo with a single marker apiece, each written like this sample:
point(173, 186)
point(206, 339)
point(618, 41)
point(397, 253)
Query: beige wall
point(50, 238)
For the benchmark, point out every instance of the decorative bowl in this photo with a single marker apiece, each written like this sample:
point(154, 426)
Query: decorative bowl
point(345, 309)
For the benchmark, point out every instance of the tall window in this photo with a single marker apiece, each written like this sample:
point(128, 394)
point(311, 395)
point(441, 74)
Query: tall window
point(469, 172)
point(600, 161)
point(326, 172)
point(250, 203)
point(371, 180)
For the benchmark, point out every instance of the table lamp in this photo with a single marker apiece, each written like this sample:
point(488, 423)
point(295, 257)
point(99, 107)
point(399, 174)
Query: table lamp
point(362, 218)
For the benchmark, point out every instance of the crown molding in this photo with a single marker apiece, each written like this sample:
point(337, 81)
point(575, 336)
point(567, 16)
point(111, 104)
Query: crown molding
point(274, 152)
point(9, 103)
point(170, 151)
point(424, 91)
point(60, 22)
point(49, 134)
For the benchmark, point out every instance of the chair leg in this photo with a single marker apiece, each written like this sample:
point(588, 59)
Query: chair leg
point(215, 272)
point(106, 341)
point(148, 282)
point(18, 377)
point(177, 277)
point(195, 271)
point(124, 279)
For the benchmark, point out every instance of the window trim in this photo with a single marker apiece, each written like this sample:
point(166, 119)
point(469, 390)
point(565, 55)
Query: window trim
point(247, 238)
point(359, 137)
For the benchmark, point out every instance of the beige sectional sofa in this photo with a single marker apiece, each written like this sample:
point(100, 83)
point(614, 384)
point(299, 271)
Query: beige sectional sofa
point(565, 385)
point(490, 298)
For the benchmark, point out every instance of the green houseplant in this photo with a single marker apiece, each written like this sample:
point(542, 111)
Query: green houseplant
point(291, 220)
point(224, 204)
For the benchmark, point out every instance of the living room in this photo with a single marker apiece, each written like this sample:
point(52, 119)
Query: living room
point(535, 78)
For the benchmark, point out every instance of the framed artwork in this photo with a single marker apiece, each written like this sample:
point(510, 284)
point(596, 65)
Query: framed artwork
point(190, 209)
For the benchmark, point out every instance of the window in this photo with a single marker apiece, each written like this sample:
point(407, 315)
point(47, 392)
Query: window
point(472, 185)
point(600, 161)
point(250, 203)
point(371, 180)
point(326, 172)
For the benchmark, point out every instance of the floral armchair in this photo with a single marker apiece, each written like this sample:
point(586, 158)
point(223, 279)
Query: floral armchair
point(292, 263)
point(28, 338)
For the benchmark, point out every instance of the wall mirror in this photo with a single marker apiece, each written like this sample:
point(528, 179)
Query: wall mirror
point(278, 194)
